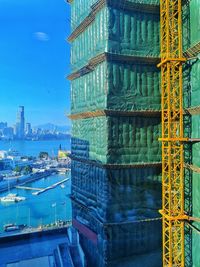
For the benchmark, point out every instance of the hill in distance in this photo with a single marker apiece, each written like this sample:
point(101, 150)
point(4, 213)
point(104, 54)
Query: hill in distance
point(51, 127)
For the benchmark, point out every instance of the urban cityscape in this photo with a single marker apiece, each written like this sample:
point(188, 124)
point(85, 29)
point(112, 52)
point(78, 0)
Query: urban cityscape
point(34, 163)
point(23, 130)
point(116, 182)
point(25, 178)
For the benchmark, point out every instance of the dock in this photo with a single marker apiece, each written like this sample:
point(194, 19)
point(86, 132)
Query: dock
point(28, 188)
point(49, 187)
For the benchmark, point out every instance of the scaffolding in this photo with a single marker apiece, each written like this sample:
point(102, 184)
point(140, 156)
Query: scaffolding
point(172, 133)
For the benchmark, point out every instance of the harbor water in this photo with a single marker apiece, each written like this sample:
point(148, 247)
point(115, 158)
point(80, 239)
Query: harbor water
point(37, 210)
point(33, 148)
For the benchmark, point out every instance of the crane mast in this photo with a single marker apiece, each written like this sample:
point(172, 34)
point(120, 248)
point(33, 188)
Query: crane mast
point(172, 133)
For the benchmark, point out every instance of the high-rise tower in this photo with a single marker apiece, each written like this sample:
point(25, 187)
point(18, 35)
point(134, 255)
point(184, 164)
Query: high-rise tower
point(28, 128)
point(116, 182)
point(115, 108)
point(20, 125)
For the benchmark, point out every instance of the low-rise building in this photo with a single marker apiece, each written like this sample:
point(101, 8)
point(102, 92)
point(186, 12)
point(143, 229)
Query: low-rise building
point(11, 159)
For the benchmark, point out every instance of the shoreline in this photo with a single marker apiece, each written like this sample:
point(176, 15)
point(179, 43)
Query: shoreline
point(33, 232)
point(35, 140)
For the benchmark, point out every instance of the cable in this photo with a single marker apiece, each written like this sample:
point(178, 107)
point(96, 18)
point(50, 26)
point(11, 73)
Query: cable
point(196, 230)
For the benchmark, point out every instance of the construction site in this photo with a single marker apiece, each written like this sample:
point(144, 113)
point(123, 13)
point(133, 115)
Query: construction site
point(135, 110)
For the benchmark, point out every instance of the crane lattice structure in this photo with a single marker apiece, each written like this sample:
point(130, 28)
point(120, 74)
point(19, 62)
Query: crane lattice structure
point(172, 134)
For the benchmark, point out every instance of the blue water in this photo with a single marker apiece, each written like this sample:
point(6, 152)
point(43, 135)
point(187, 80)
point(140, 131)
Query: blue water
point(43, 209)
point(33, 148)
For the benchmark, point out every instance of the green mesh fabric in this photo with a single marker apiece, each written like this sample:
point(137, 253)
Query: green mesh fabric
point(195, 82)
point(80, 9)
point(138, 36)
point(191, 36)
point(195, 21)
point(123, 194)
point(117, 86)
point(117, 140)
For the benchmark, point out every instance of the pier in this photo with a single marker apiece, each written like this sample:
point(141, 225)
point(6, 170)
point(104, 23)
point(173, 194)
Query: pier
point(49, 187)
point(23, 180)
point(28, 188)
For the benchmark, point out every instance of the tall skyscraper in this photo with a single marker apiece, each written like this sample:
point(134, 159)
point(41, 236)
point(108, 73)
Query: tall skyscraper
point(115, 112)
point(20, 125)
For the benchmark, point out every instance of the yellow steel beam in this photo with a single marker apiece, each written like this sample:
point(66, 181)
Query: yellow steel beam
point(172, 134)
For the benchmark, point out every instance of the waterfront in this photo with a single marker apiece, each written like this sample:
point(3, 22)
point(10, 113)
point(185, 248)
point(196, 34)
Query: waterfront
point(46, 208)
point(33, 148)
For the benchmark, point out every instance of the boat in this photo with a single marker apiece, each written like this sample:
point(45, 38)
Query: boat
point(13, 227)
point(9, 198)
point(62, 186)
point(12, 198)
point(18, 199)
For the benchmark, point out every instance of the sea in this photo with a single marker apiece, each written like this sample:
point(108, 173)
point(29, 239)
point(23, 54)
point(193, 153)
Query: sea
point(37, 210)
point(33, 148)
point(43, 209)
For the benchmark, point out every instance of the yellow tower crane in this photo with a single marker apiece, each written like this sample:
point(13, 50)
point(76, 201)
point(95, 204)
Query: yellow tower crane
point(172, 133)
point(173, 214)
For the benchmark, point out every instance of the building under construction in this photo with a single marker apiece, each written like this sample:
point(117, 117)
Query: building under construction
point(135, 107)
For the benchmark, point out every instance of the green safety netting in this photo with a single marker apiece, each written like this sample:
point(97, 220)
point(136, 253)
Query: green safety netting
point(194, 21)
point(117, 86)
point(195, 84)
point(80, 9)
point(120, 195)
point(125, 86)
point(121, 241)
point(150, 259)
point(117, 195)
point(118, 32)
point(191, 36)
point(117, 140)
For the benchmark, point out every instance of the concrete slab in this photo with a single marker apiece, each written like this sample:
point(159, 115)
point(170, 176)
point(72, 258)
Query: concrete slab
point(20, 250)
point(37, 262)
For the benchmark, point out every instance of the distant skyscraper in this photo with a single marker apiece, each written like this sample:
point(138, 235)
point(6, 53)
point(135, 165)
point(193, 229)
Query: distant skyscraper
point(8, 133)
point(28, 129)
point(20, 125)
point(3, 125)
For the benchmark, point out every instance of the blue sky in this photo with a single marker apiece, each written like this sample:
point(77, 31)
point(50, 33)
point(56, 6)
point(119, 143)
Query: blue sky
point(34, 60)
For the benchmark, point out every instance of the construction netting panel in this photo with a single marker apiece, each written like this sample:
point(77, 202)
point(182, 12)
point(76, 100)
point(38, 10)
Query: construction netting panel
point(196, 187)
point(195, 101)
point(117, 140)
point(117, 86)
point(149, 2)
point(80, 9)
point(116, 175)
point(117, 195)
point(133, 33)
point(93, 41)
point(133, 87)
point(196, 191)
point(195, 21)
point(151, 259)
point(195, 84)
point(89, 92)
point(120, 241)
point(119, 32)
point(90, 139)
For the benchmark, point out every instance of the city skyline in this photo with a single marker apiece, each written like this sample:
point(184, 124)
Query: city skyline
point(28, 120)
point(23, 130)
point(34, 60)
